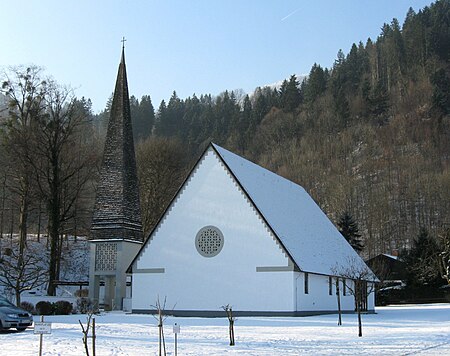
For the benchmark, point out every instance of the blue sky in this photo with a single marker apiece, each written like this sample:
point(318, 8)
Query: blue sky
point(192, 47)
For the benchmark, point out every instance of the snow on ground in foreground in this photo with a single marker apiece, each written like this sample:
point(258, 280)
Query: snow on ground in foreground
point(394, 330)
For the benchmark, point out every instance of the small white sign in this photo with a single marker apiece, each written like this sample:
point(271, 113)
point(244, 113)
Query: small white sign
point(176, 329)
point(42, 328)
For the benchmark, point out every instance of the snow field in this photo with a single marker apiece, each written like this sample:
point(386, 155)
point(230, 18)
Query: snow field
point(399, 330)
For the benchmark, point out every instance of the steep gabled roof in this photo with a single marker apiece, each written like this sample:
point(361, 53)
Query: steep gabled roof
point(303, 229)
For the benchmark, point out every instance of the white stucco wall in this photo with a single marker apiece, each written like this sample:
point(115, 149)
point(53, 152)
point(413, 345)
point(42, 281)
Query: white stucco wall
point(371, 298)
point(195, 282)
point(318, 298)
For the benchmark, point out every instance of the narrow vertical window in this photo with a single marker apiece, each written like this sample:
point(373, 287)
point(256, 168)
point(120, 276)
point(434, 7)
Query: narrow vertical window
point(306, 283)
point(344, 287)
point(330, 285)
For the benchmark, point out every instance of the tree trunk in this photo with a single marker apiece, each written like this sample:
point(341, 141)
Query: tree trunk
point(162, 342)
point(2, 212)
point(53, 265)
point(17, 292)
point(338, 294)
point(160, 338)
point(39, 223)
point(23, 222)
point(93, 336)
point(85, 333)
point(60, 248)
point(231, 333)
point(359, 323)
point(12, 222)
point(54, 227)
point(358, 309)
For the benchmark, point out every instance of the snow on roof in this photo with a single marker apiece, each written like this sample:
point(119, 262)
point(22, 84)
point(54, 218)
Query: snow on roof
point(390, 256)
point(304, 230)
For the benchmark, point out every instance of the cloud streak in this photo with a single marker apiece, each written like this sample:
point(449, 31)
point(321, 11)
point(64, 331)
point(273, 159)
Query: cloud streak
point(292, 13)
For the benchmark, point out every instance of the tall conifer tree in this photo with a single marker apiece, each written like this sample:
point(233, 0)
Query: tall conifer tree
point(349, 229)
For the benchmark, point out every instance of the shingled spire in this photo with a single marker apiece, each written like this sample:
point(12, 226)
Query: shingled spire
point(117, 212)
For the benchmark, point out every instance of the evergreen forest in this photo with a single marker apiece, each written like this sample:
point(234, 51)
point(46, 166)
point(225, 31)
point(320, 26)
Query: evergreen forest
point(368, 138)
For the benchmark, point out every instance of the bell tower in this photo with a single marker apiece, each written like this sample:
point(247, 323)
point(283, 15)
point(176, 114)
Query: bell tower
point(116, 230)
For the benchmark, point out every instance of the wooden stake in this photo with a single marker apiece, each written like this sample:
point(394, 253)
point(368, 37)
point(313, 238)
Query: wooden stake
point(40, 338)
point(93, 336)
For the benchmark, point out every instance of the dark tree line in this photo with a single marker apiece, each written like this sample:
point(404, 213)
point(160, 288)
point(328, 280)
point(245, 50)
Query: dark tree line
point(142, 116)
point(368, 85)
point(423, 265)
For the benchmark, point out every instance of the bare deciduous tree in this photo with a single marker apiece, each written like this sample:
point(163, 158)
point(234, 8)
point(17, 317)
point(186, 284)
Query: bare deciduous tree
point(62, 166)
point(338, 295)
point(231, 319)
point(445, 255)
point(25, 92)
point(161, 317)
point(359, 281)
point(22, 270)
point(90, 324)
point(161, 165)
point(41, 135)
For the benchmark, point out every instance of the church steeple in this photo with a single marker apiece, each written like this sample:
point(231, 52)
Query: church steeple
point(117, 211)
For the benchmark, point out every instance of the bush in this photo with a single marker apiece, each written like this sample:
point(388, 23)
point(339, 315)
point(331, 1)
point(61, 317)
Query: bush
point(84, 305)
point(83, 293)
point(63, 307)
point(44, 308)
point(446, 290)
point(29, 307)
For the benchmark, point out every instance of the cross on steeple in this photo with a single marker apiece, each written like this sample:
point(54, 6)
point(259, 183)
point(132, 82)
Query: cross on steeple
point(123, 42)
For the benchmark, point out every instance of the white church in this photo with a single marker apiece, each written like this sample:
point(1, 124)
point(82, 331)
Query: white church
point(235, 234)
point(238, 234)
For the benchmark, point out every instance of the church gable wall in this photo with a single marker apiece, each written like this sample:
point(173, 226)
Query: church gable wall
point(251, 271)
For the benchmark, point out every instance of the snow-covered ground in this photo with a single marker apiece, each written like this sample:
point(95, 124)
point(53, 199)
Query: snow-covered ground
point(393, 330)
point(74, 265)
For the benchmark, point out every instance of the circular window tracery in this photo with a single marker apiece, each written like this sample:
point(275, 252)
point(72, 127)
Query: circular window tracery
point(209, 241)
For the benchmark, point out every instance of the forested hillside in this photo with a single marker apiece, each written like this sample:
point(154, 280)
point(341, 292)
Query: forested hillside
point(369, 136)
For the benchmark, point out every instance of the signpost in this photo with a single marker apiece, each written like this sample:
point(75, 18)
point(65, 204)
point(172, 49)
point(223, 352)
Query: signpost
point(42, 328)
point(176, 331)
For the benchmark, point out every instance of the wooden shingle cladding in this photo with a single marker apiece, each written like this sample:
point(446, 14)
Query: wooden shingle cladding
point(117, 212)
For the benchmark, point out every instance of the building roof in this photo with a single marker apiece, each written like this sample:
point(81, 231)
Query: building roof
point(387, 267)
point(302, 228)
point(391, 256)
point(117, 212)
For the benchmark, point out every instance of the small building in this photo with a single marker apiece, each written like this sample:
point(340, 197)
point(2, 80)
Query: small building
point(388, 268)
point(391, 271)
point(238, 234)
